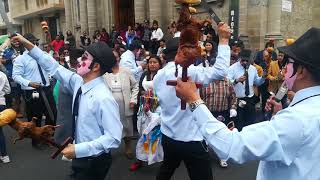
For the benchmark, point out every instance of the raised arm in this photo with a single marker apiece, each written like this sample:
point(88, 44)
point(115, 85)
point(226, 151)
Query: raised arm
point(219, 70)
point(66, 77)
point(266, 141)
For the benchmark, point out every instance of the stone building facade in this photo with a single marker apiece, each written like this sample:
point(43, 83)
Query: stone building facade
point(259, 20)
point(26, 15)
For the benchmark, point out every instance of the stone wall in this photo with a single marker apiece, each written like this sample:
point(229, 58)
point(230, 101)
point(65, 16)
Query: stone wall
point(295, 23)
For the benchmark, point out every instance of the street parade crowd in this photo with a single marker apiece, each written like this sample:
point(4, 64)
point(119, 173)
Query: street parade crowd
point(113, 89)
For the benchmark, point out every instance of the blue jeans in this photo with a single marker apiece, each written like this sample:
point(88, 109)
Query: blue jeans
point(3, 149)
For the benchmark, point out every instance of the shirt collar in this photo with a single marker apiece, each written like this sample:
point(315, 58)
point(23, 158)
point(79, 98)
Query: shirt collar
point(91, 84)
point(304, 93)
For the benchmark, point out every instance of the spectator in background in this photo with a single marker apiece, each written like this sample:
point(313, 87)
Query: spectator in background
point(211, 51)
point(156, 36)
point(62, 60)
point(220, 98)
point(130, 35)
point(96, 36)
point(104, 36)
point(61, 35)
point(47, 48)
point(138, 29)
point(244, 76)
point(66, 46)
point(161, 47)
point(269, 47)
point(4, 89)
point(146, 35)
point(85, 39)
point(57, 43)
point(124, 89)
point(7, 58)
point(71, 39)
point(128, 59)
point(113, 35)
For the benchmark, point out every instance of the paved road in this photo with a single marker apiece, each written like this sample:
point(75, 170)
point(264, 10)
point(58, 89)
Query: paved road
point(31, 164)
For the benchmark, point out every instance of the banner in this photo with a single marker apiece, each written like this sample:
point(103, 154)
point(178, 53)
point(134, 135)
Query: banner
point(234, 19)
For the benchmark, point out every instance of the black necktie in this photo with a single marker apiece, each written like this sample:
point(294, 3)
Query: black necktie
point(247, 91)
point(75, 111)
point(44, 82)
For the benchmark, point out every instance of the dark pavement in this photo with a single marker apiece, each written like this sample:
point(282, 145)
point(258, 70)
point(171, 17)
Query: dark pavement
point(28, 163)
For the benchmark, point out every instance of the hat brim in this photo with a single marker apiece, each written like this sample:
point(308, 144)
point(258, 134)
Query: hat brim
point(287, 50)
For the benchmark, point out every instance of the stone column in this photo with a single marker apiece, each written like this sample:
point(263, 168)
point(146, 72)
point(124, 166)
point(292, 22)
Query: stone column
point(316, 13)
point(155, 11)
point(243, 21)
point(83, 15)
point(92, 16)
point(140, 10)
point(257, 23)
point(274, 20)
point(68, 14)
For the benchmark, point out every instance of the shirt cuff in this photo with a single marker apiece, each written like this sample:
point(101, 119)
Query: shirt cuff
point(82, 150)
point(203, 110)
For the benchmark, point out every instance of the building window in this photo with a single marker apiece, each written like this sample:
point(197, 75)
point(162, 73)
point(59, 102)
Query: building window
point(26, 4)
point(6, 5)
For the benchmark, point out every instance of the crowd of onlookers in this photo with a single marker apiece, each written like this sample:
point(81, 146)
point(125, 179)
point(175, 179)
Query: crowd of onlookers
point(139, 51)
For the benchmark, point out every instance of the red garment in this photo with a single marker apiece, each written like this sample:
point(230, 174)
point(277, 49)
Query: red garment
point(56, 45)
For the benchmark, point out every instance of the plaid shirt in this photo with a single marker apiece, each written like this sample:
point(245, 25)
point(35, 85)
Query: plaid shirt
point(219, 96)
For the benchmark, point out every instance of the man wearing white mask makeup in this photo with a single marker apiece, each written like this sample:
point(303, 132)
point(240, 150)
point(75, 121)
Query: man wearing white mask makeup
point(96, 122)
point(288, 146)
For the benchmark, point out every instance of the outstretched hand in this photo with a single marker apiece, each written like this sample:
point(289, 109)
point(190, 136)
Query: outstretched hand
point(18, 37)
point(273, 105)
point(187, 91)
point(224, 33)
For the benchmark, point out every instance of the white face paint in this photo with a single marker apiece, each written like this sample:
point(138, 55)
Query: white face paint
point(84, 63)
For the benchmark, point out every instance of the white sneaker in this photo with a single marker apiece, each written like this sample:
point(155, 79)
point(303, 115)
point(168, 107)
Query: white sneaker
point(5, 159)
point(223, 163)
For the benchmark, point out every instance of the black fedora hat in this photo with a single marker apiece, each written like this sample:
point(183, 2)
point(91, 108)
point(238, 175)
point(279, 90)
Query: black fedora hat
point(171, 48)
point(103, 54)
point(305, 49)
point(30, 37)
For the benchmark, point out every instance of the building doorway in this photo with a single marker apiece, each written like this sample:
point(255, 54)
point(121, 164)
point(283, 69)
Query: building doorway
point(123, 14)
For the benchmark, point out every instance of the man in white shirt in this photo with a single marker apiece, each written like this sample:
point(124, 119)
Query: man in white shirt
point(244, 76)
point(287, 146)
point(128, 59)
point(156, 36)
point(182, 140)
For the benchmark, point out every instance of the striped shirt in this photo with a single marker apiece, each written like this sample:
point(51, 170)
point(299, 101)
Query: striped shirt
point(219, 95)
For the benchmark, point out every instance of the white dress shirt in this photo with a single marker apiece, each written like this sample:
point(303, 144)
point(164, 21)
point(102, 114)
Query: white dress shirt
point(4, 88)
point(98, 125)
point(157, 34)
point(288, 146)
point(25, 70)
point(236, 71)
point(128, 60)
point(177, 124)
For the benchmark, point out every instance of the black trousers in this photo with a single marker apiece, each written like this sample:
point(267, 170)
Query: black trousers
point(91, 168)
point(247, 114)
point(194, 154)
point(36, 107)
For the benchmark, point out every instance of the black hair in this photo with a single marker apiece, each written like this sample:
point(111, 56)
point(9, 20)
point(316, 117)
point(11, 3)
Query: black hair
point(315, 72)
point(162, 40)
point(135, 44)
point(148, 75)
